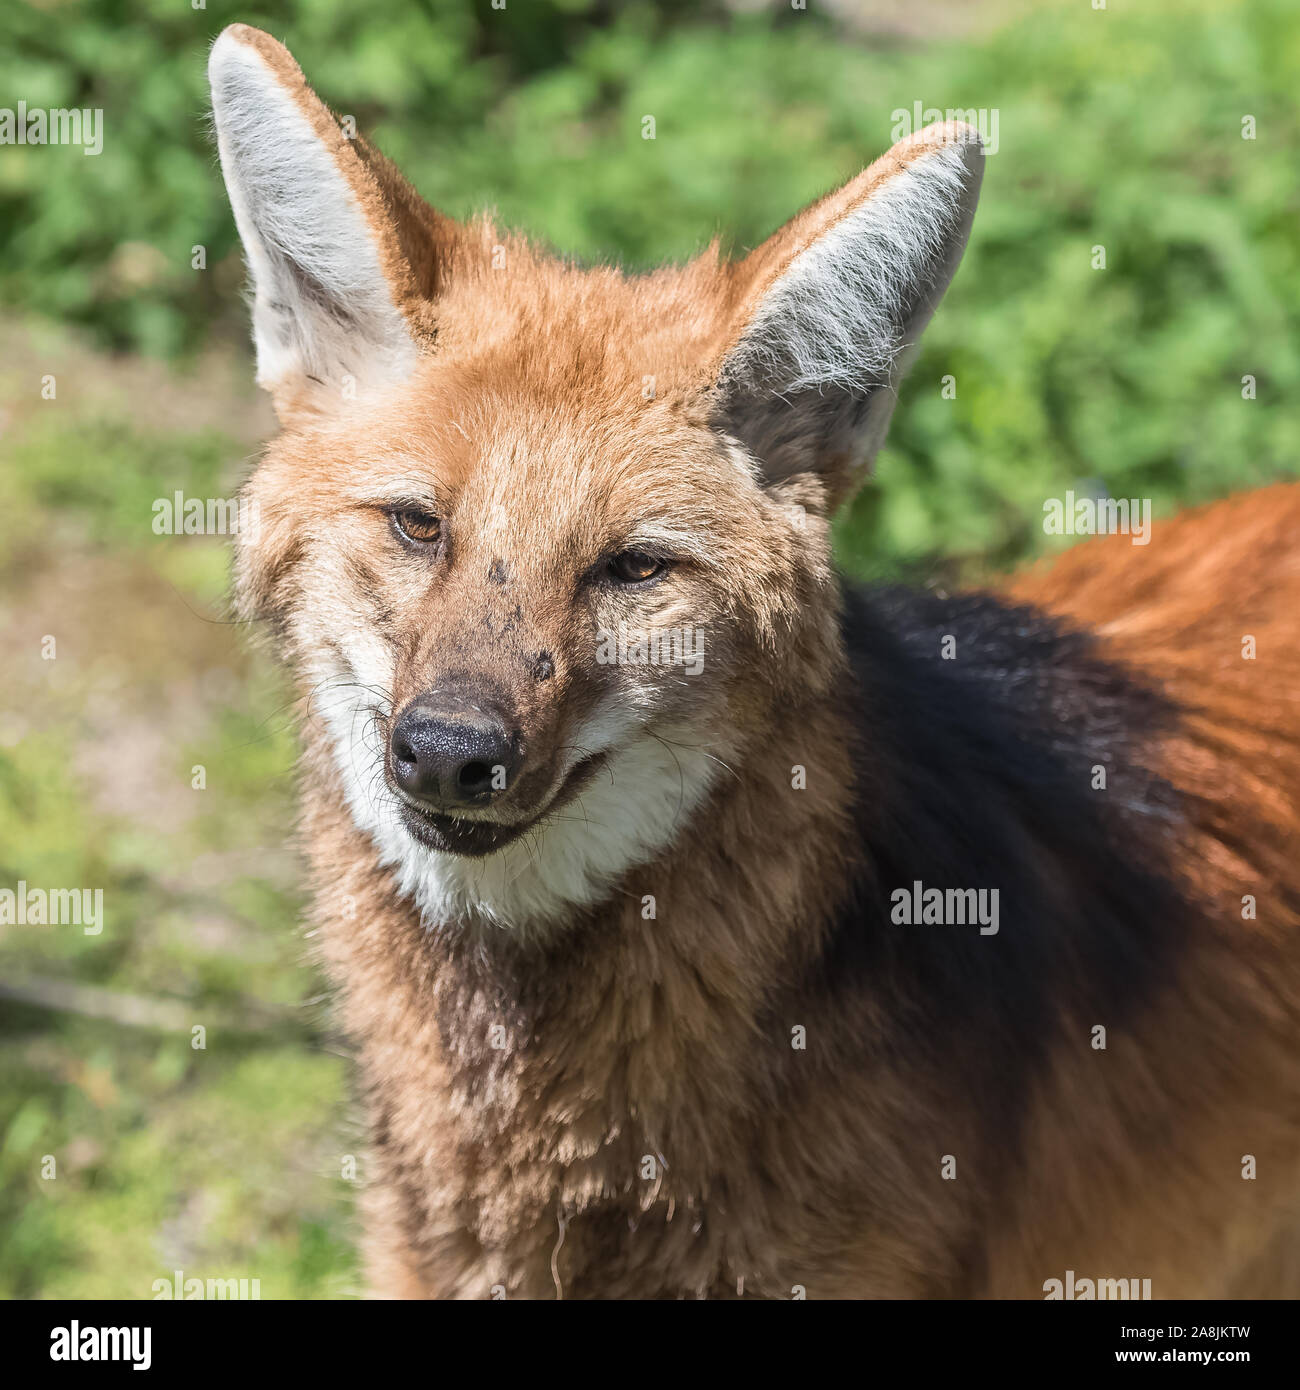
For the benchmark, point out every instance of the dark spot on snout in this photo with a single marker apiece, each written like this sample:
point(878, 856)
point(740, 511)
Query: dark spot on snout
point(498, 574)
point(543, 667)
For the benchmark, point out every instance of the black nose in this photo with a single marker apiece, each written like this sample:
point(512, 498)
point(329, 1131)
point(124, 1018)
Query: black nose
point(453, 753)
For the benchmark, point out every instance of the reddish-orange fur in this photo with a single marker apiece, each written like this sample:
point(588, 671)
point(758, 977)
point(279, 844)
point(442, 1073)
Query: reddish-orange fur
point(636, 1133)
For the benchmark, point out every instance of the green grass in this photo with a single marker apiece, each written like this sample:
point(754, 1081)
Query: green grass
point(225, 1160)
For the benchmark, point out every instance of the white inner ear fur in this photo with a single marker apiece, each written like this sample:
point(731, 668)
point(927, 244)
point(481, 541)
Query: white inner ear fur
point(833, 317)
point(841, 318)
point(323, 307)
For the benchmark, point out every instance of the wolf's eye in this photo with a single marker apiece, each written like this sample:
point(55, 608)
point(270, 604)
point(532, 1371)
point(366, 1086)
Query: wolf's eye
point(420, 528)
point(635, 567)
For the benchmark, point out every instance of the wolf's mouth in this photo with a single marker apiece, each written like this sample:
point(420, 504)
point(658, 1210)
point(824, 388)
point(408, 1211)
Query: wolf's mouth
point(477, 838)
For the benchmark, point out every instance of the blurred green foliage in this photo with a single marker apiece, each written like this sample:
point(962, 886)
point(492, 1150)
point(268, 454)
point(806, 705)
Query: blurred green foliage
point(125, 1151)
point(1119, 128)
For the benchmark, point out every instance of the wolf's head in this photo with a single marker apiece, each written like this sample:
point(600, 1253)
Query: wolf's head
point(548, 546)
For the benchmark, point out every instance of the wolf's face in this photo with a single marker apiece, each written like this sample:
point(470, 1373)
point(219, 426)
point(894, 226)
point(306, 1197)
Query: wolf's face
point(536, 623)
point(545, 545)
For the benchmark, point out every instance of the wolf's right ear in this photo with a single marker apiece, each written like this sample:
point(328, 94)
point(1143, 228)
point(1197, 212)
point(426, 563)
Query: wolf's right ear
point(344, 256)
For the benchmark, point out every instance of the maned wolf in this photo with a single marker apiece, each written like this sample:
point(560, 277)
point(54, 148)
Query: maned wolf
point(707, 926)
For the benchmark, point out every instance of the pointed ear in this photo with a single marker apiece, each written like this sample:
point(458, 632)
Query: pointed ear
point(345, 257)
point(829, 307)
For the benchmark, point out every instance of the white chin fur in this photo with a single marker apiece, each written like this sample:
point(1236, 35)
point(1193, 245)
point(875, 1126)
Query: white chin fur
point(634, 806)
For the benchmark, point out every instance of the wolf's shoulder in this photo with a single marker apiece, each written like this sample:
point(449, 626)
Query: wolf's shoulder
point(996, 747)
point(995, 671)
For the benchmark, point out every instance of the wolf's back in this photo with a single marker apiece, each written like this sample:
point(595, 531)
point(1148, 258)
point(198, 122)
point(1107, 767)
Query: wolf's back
point(1209, 613)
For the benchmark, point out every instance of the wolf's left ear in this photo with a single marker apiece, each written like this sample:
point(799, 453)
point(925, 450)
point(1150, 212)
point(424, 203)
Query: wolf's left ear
point(830, 306)
point(344, 256)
